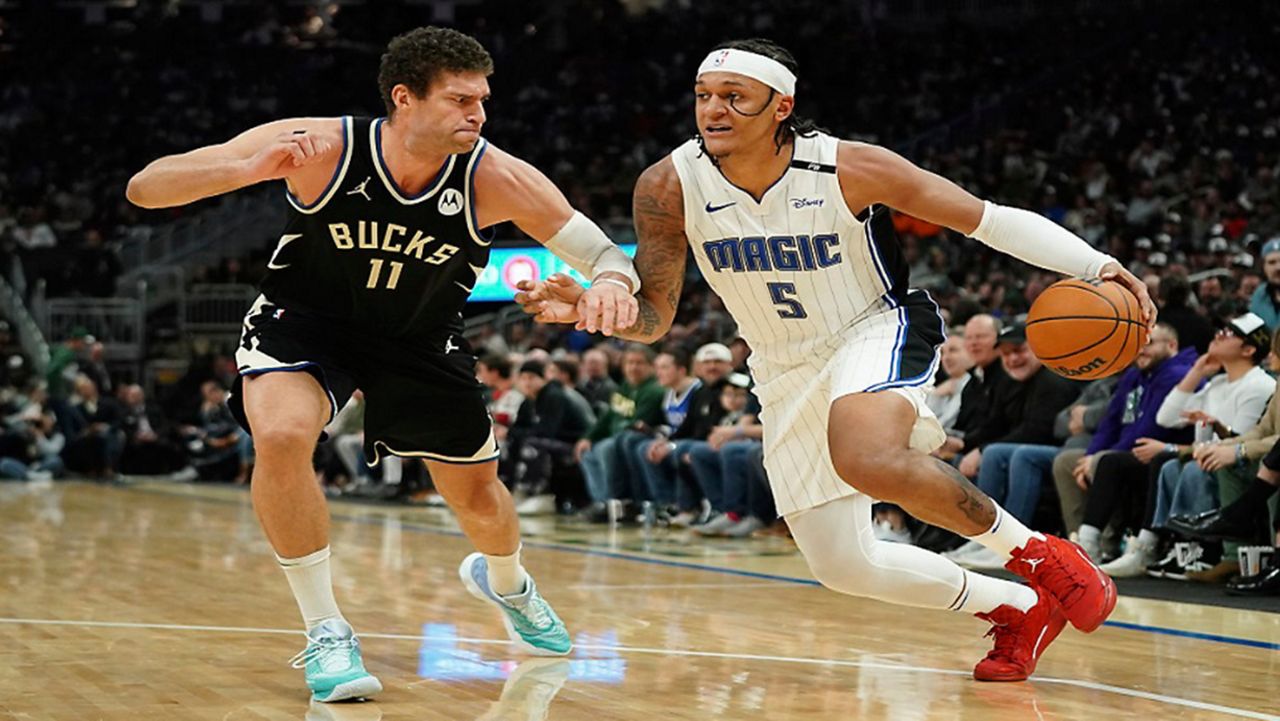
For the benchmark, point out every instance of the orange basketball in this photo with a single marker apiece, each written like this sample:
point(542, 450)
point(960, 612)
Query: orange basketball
point(1086, 329)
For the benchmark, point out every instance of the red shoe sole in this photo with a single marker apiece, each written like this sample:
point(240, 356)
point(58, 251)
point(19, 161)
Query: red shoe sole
point(1000, 678)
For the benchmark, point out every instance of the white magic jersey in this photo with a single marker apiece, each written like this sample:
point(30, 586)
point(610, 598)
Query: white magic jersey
point(794, 269)
point(822, 299)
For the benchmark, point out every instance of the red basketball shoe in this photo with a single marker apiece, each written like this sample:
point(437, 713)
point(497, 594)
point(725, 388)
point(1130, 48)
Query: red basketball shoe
point(1064, 570)
point(1020, 638)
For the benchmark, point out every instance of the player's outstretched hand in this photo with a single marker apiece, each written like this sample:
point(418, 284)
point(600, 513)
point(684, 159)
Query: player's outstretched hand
point(605, 307)
point(554, 300)
point(290, 151)
point(1118, 273)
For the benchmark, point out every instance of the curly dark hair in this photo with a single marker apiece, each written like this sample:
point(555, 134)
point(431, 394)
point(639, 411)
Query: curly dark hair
point(416, 58)
point(794, 124)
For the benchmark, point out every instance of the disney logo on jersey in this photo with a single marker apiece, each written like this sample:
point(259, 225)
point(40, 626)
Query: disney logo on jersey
point(390, 238)
point(450, 202)
point(775, 252)
point(801, 203)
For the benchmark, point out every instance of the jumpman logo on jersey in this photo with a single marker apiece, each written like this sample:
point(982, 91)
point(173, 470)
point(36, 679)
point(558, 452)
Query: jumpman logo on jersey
point(449, 346)
point(1033, 562)
point(359, 189)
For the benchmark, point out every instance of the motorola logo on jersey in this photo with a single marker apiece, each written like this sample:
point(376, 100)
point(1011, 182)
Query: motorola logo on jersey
point(776, 252)
point(391, 238)
point(450, 202)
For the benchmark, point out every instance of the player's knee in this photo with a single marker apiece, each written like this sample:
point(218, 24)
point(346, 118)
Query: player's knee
point(872, 471)
point(284, 440)
point(845, 570)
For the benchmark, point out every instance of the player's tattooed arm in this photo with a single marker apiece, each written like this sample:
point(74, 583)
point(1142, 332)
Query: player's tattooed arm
point(658, 208)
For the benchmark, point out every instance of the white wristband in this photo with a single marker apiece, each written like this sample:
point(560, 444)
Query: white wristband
point(584, 246)
point(615, 281)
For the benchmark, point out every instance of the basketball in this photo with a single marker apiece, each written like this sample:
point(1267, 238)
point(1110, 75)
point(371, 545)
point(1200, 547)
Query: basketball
point(1086, 329)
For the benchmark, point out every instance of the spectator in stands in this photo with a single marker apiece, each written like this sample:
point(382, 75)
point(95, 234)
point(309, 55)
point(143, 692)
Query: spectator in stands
point(494, 371)
point(214, 445)
point(60, 375)
point(1014, 448)
point(542, 437)
point(94, 446)
point(565, 372)
point(680, 388)
point(1127, 414)
point(635, 409)
point(1265, 302)
point(720, 464)
point(944, 400)
point(1023, 404)
point(596, 385)
point(987, 373)
point(1193, 329)
point(667, 473)
point(147, 448)
point(94, 366)
point(1230, 403)
point(1245, 504)
point(32, 443)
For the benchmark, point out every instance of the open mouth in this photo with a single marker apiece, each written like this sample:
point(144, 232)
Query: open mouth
point(717, 129)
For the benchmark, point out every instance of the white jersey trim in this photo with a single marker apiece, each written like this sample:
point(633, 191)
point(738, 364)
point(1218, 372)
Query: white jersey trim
point(379, 165)
point(335, 182)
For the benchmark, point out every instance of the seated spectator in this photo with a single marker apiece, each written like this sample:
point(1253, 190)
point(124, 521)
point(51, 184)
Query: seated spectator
point(721, 466)
point(1265, 301)
point(664, 468)
point(565, 371)
point(986, 373)
point(1230, 403)
point(945, 398)
point(596, 385)
point(94, 447)
point(148, 451)
point(346, 434)
point(1129, 414)
point(215, 444)
point(1194, 330)
point(33, 443)
point(680, 389)
point(1016, 449)
point(545, 430)
point(494, 371)
point(605, 452)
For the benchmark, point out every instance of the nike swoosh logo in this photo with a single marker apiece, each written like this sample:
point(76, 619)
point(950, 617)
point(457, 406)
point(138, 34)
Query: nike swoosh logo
point(285, 239)
point(713, 208)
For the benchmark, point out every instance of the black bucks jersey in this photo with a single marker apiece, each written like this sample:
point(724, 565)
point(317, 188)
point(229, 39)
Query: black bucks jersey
point(368, 253)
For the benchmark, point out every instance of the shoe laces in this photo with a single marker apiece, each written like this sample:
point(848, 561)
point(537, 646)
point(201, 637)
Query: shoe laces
point(1006, 640)
point(1058, 574)
point(332, 654)
point(534, 610)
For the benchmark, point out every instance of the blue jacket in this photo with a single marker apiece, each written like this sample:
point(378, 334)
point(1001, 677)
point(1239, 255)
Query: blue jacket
point(1262, 304)
point(1113, 433)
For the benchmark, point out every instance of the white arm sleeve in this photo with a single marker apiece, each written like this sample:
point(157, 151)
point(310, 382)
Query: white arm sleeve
point(1039, 241)
point(584, 246)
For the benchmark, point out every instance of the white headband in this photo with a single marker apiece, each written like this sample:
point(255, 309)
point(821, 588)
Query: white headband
point(753, 65)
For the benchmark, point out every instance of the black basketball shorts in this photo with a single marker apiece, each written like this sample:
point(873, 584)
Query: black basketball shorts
point(421, 400)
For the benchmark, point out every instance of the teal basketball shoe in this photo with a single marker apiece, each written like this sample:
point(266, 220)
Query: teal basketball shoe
point(531, 623)
point(332, 664)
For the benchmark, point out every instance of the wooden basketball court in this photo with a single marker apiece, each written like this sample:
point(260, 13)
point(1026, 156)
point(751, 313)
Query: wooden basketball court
point(160, 601)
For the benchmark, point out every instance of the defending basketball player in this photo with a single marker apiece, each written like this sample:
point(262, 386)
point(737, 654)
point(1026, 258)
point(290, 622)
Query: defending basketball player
point(365, 288)
point(790, 227)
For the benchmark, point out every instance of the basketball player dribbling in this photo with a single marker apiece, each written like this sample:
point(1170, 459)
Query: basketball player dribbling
point(365, 288)
point(790, 227)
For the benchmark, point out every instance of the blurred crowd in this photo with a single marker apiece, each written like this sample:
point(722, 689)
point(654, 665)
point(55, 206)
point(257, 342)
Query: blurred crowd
point(1156, 140)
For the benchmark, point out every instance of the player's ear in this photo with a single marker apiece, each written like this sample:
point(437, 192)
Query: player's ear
point(786, 106)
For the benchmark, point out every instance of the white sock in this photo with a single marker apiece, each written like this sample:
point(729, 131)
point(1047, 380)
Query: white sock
point(1006, 534)
point(1089, 536)
point(312, 586)
point(984, 594)
point(506, 576)
point(1148, 538)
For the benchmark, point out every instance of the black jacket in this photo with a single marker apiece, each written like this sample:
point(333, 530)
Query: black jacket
point(704, 414)
point(550, 415)
point(1023, 412)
